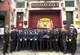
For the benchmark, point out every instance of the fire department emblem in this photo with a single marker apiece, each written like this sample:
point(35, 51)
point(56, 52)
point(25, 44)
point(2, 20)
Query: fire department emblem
point(45, 23)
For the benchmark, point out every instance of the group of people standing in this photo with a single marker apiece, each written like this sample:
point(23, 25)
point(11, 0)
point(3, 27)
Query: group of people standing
point(58, 39)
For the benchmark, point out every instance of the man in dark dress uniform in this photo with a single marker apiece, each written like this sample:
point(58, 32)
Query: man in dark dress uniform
point(45, 39)
point(31, 38)
point(72, 40)
point(35, 40)
point(64, 35)
point(76, 33)
point(25, 38)
point(13, 40)
point(6, 41)
point(60, 40)
point(49, 39)
point(29, 32)
point(56, 38)
point(19, 40)
point(52, 40)
point(40, 34)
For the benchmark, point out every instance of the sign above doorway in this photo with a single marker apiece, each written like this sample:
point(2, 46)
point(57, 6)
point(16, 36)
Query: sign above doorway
point(45, 5)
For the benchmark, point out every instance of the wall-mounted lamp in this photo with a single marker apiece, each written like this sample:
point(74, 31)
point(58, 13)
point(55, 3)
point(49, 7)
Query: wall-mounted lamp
point(25, 22)
point(76, 15)
point(12, 27)
point(64, 8)
point(76, 9)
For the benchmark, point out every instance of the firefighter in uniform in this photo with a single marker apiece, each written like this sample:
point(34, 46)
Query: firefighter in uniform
point(30, 39)
point(49, 40)
point(72, 40)
point(56, 38)
point(6, 41)
point(52, 40)
point(40, 34)
point(19, 40)
point(60, 39)
point(35, 40)
point(64, 35)
point(24, 39)
point(45, 39)
point(13, 39)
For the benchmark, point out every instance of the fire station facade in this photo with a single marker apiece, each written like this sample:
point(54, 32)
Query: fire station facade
point(44, 14)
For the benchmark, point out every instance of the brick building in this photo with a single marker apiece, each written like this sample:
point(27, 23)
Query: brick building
point(4, 13)
point(36, 13)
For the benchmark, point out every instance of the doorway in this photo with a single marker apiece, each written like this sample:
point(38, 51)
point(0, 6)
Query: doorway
point(69, 18)
point(2, 21)
point(38, 15)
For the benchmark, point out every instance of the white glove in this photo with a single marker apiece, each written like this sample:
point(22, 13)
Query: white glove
point(35, 39)
point(20, 39)
point(31, 39)
point(56, 39)
point(25, 39)
point(69, 39)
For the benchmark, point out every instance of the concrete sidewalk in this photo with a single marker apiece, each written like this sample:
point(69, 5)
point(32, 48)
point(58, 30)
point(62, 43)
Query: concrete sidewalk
point(36, 53)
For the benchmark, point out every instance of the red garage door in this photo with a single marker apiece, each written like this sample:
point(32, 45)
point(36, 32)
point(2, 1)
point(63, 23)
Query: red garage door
point(53, 15)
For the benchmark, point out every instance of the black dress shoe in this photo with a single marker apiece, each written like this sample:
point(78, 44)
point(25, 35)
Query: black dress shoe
point(64, 52)
point(73, 54)
point(10, 51)
point(6, 52)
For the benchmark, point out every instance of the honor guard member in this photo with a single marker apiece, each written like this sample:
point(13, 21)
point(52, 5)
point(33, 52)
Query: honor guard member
point(72, 40)
point(52, 40)
point(30, 38)
point(45, 39)
point(76, 33)
point(60, 40)
point(6, 41)
point(28, 35)
point(49, 39)
point(25, 39)
point(64, 35)
point(40, 34)
point(19, 40)
point(35, 40)
point(56, 38)
point(13, 40)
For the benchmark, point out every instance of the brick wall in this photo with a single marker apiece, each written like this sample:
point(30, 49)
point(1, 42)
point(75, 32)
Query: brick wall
point(4, 6)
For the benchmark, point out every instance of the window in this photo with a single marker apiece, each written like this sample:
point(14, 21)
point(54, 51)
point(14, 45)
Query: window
point(20, 19)
point(20, 16)
point(2, 21)
point(69, 3)
point(1, 0)
point(20, 4)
